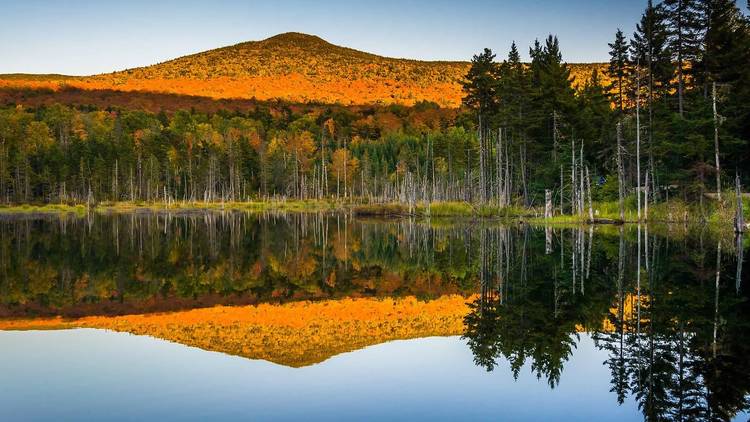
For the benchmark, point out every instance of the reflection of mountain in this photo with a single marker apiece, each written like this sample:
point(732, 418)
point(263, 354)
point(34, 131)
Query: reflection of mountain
point(294, 334)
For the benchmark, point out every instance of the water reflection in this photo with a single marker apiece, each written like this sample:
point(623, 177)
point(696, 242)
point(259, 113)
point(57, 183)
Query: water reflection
point(156, 262)
point(666, 305)
point(672, 319)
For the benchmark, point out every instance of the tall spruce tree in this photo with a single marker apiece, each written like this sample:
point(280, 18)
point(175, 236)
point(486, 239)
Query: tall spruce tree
point(481, 84)
point(556, 84)
point(725, 53)
point(513, 90)
point(595, 116)
point(619, 69)
point(684, 41)
point(553, 102)
point(726, 61)
point(481, 95)
point(649, 49)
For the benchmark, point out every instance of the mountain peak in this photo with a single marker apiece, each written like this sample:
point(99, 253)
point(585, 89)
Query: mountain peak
point(295, 37)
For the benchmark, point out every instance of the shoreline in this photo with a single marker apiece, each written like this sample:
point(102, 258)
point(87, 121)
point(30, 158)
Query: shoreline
point(672, 212)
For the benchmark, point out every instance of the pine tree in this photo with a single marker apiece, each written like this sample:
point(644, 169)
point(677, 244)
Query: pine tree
point(619, 69)
point(552, 100)
point(512, 90)
point(481, 84)
point(725, 49)
point(649, 49)
point(514, 94)
point(684, 41)
point(594, 105)
point(555, 81)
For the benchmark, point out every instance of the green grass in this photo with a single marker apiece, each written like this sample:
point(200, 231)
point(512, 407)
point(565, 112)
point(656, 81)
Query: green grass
point(124, 207)
point(439, 209)
point(43, 209)
point(675, 210)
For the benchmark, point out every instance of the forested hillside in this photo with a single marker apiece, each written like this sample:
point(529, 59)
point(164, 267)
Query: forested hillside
point(669, 117)
point(292, 67)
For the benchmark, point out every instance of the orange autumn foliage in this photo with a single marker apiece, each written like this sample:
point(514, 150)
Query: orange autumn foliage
point(293, 67)
point(294, 334)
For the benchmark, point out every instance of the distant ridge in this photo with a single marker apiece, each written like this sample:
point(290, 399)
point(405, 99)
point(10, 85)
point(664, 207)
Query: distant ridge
point(291, 66)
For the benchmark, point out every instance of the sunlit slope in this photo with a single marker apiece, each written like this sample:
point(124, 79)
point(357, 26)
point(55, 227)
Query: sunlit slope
point(295, 334)
point(293, 67)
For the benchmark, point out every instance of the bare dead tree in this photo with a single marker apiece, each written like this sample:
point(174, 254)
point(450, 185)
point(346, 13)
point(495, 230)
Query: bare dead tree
point(588, 188)
point(620, 173)
point(716, 144)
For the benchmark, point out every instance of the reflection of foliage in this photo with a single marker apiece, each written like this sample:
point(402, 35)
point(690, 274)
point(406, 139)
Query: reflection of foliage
point(533, 316)
point(481, 326)
point(675, 333)
point(664, 338)
point(294, 334)
point(493, 332)
point(676, 338)
point(161, 262)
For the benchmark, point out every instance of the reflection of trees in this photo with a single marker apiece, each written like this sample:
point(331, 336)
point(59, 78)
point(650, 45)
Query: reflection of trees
point(675, 327)
point(671, 330)
point(158, 261)
point(524, 319)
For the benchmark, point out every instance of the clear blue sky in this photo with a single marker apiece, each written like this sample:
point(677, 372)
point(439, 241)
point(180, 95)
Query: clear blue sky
point(80, 37)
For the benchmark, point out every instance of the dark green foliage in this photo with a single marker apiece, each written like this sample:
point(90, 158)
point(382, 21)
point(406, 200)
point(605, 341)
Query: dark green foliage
point(619, 70)
point(481, 84)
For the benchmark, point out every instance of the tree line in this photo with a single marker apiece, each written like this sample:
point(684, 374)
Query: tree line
point(671, 118)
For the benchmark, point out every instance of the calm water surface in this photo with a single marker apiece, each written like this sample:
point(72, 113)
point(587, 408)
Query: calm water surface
point(563, 323)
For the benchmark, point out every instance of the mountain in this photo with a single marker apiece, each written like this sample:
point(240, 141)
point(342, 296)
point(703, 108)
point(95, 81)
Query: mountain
point(292, 66)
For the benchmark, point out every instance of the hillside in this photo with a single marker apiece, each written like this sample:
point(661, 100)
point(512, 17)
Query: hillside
point(292, 66)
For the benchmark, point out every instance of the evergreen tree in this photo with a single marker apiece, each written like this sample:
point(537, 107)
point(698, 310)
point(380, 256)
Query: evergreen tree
point(481, 84)
point(552, 101)
point(649, 47)
point(725, 56)
point(556, 84)
point(513, 90)
point(594, 106)
point(684, 41)
point(619, 69)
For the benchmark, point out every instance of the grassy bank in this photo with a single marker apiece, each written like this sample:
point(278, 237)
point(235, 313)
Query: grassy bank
point(672, 211)
point(441, 209)
point(125, 207)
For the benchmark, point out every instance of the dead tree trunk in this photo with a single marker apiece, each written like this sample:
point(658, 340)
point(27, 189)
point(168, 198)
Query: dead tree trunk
point(620, 173)
point(573, 194)
point(647, 188)
point(547, 203)
point(716, 146)
point(739, 217)
point(638, 139)
point(588, 188)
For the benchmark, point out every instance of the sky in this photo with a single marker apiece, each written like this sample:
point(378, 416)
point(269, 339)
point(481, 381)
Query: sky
point(80, 37)
point(88, 374)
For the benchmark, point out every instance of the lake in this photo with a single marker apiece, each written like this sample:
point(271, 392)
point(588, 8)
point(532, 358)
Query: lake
point(272, 316)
